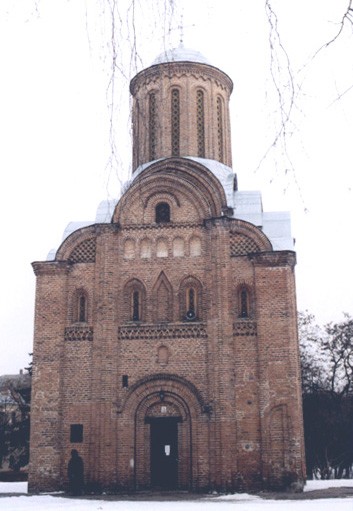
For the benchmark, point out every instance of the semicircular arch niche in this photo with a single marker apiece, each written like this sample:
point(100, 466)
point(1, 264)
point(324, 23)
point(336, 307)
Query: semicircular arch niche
point(245, 238)
point(192, 191)
point(166, 400)
point(79, 246)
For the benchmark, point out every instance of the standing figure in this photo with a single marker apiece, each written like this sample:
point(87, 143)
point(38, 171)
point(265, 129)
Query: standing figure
point(75, 473)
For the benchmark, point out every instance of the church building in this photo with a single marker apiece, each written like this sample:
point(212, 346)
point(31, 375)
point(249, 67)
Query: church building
point(165, 344)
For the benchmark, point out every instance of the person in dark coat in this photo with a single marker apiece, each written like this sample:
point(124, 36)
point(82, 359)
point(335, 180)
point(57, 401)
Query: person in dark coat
point(75, 473)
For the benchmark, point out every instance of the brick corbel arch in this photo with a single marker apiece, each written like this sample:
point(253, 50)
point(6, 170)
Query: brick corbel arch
point(246, 229)
point(174, 176)
point(166, 382)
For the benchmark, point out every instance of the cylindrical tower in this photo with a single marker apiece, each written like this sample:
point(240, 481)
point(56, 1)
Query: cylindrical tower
point(181, 108)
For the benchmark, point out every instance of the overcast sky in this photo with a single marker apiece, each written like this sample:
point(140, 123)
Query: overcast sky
point(56, 99)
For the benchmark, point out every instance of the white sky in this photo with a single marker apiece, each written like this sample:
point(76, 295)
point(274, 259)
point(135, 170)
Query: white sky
point(55, 61)
point(240, 502)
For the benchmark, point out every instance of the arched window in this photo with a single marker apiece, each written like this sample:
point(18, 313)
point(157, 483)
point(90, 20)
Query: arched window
point(82, 308)
point(162, 212)
point(220, 129)
point(175, 122)
point(244, 310)
point(191, 303)
point(78, 312)
point(152, 110)
point(136, 306)
point(200, 118)
point(190, 299)
point(134, 300)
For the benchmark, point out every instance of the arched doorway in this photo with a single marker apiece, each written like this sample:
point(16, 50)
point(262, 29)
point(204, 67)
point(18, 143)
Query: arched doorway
point(163, 442)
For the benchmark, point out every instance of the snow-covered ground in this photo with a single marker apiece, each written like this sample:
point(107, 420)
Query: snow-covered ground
point(238, 502)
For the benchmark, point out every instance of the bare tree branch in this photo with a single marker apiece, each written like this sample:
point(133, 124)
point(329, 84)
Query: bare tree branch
point(346, 18)
point(286, 91)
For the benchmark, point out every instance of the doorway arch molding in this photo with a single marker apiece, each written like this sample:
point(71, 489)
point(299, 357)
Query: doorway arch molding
point(166, 396)
point(158, 383)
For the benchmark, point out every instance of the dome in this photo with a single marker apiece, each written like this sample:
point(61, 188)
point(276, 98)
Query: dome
point(180, 54)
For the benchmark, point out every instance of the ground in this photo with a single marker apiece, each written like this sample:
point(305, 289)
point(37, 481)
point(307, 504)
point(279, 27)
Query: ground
point(318, 496)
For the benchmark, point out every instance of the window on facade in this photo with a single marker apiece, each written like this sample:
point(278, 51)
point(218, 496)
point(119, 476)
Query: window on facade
point(134, 300)
point(220, 129)
point(76, 433)
point(244, 303)
point(162, 213)
point(125, 381)
point(200, 117)
point(175, 124)
point(136, 306)
point(152, 125)
point(191, 303)
point(82, 309)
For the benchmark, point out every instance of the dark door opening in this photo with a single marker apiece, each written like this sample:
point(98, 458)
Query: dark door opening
point(164, 452)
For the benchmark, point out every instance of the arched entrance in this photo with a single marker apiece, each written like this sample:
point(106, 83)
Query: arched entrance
point(163, 442)
point(164, 416)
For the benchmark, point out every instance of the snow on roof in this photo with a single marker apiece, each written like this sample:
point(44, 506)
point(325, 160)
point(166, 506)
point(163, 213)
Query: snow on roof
point(246, 205)
point(180, 54)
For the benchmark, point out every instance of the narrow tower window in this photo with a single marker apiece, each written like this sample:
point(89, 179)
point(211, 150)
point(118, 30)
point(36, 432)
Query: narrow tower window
point(220, 129)
point(162, 212)
point(200, 117)
point(175, 110)
point(152, 125)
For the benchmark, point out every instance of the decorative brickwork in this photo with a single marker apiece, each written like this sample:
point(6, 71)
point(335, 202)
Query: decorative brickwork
point(79, 333)
point(244, 328)
point(175, 122)
point(167, 331)
point(220, 136)
point(200, 115)
point(85, 252)
point(242, 245)
point(152, 125)
point(189, 117)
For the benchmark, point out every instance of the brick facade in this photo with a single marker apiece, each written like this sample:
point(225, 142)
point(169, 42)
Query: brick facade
point(183, 327)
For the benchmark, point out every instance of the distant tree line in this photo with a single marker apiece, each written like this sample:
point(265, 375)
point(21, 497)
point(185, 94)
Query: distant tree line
point(15, 403)
point(327, 382)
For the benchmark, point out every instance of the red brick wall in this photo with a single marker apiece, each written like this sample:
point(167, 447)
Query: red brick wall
point(234, 381)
